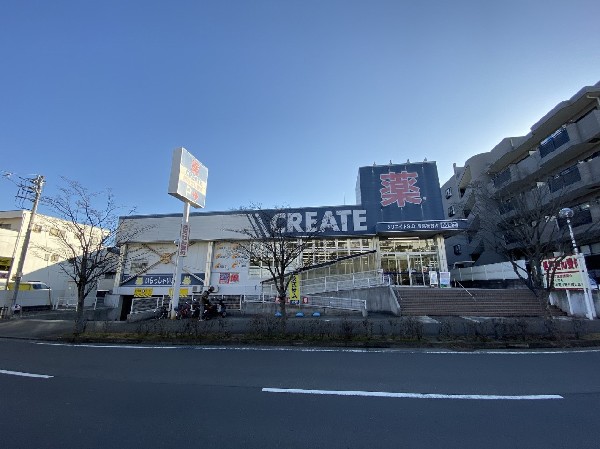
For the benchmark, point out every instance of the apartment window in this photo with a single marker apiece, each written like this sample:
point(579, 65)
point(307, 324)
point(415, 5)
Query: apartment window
point(55, 232)
point(37, 228)
point(451, 211)
point(448, 192)
point(54, 258)
point(457, 250)
point(5, 226)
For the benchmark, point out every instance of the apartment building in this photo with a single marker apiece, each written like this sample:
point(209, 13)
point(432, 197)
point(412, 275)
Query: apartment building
point(560, 155)
point(44, 252)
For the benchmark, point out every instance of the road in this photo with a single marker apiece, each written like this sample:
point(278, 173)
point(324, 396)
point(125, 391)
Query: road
point(94, 396)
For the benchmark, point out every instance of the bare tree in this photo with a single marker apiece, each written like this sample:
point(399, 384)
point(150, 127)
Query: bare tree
point(523, 226)
point(86, 231)
point(270, 242)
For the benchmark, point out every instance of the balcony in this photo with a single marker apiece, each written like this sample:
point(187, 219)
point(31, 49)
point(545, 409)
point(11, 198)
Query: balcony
point(589, 126)
point(578, 182)
point(555, 141)
point(556, 149)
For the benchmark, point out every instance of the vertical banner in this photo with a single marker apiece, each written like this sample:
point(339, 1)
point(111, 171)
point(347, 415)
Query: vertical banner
point(294, 289)
point(184, 241)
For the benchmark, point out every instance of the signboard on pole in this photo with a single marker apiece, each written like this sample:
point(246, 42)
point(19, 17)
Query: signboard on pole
point(568, 274)
point(188, 178)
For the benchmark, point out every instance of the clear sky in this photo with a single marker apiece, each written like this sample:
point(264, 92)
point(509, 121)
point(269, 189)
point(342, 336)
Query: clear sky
point(282, 100)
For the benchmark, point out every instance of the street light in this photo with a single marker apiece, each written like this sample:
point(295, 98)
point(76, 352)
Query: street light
point(567, 213)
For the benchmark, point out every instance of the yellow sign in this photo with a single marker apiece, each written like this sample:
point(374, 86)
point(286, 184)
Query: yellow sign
point(183, 292)
point(142, 293)
point(294, 289)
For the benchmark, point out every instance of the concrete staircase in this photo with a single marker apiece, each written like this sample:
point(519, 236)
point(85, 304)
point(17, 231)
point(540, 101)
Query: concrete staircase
point(419, 301)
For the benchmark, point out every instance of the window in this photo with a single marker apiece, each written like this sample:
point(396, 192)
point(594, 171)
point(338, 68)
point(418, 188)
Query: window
point(457, 250)
point(54, 258)
point(37, 228)
point(448, 192)
point(5, 226)
point(451, 211)
point(55, 232)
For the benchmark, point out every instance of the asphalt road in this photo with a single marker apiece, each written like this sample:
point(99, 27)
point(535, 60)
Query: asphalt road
point(172, 397)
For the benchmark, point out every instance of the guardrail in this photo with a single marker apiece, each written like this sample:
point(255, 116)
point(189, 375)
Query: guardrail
point(336, 303)
point(65, 302)
point(139, 305)
point(336, 283)
point(328, 302)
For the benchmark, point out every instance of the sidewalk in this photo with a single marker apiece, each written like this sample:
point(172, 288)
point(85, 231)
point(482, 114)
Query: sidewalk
point(58, 325)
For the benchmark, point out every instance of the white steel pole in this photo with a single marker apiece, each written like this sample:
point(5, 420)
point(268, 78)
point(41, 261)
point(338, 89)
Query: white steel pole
point(180, 254)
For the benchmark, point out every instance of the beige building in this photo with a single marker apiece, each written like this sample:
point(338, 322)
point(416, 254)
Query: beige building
point(44, 254)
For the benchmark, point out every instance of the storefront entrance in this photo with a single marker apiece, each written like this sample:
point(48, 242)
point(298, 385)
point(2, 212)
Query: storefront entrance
point(408, 261)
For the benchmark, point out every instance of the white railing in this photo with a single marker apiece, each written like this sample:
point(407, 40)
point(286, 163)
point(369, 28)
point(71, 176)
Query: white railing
point(139, 305)
point(65, 302)
point(496, 271)
point(329, 302)
point(336, 283)
point(336, 303)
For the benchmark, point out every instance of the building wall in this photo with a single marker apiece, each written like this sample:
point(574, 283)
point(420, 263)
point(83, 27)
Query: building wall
point(560, 154)
point(44, 251)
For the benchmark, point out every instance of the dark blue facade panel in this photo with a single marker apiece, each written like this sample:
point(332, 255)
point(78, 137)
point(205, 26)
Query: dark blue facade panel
point(401, 192)
point(389, 193)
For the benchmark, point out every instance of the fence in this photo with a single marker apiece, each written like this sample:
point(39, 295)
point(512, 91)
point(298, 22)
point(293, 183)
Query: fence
point(328, 302)
point(338, 282)
point(65, 303)
point(496, 271)
point(139, 305)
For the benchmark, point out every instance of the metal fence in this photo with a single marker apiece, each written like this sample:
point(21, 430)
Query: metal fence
point(336, 283)
point(139, 305)
point(328, 302)
point(336, 303)
point(65, 303)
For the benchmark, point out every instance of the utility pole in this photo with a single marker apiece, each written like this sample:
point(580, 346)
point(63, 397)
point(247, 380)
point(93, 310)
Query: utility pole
point(36, 188)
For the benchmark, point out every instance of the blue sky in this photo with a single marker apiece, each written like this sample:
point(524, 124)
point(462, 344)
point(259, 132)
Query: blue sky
point(281, 100)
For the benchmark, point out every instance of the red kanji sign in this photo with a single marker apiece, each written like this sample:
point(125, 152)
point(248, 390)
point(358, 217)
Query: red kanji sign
point(399, 188)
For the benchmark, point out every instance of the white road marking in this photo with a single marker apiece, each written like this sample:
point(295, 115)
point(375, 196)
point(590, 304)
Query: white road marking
point(17, 373)
point(427, 320)
point(384, 394)
point(349, 350)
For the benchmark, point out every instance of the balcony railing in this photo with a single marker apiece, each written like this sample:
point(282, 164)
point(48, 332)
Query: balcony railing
point(568, 177)
point(556, 140)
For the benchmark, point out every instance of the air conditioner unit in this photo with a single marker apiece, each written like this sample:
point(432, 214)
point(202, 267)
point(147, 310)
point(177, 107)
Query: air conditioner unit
point(215, 288)
point(196, 288)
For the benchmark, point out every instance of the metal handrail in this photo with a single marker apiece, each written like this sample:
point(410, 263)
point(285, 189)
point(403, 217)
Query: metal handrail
point(463, 287)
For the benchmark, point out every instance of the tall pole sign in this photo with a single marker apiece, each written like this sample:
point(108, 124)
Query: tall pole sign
point(187, 183)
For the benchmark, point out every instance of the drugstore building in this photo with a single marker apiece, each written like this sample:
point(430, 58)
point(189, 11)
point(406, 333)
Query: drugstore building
point(396, 226)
